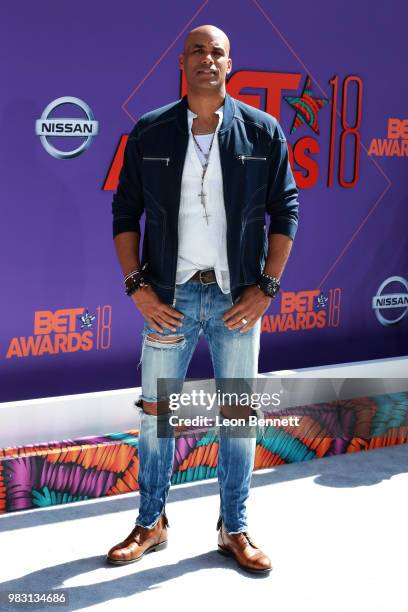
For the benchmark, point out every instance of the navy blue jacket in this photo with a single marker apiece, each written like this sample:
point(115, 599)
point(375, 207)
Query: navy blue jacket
point(257, 179)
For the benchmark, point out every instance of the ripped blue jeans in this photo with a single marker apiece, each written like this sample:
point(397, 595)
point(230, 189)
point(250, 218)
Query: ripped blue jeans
point(234, 355)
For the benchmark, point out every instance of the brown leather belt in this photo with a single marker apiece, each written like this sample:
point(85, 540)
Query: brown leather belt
point(206, 277)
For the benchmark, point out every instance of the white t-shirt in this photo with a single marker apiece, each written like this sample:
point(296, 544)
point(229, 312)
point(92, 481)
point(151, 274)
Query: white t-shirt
point(202, 245)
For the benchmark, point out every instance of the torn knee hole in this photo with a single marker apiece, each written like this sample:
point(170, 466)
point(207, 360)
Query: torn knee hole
point(165, 339)
point(156, 408)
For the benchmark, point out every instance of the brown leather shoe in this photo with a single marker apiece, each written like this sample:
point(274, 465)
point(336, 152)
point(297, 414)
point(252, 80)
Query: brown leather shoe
point(241, 547)
point(141, 540)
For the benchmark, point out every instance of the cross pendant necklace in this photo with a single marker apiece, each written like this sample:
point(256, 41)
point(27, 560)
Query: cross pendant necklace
point(203, 195)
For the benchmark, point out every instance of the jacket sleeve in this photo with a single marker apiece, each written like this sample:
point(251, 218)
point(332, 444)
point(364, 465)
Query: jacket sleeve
point(128, 204)
point(282, 194)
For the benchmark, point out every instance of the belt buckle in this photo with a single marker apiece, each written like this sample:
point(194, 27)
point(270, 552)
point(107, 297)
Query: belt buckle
point(201, 280)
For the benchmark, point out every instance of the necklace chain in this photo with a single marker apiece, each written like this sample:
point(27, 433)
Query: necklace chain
point(202, 195)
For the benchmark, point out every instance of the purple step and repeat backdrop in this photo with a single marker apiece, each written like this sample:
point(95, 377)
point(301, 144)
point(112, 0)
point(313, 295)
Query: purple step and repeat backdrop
point(76, 78)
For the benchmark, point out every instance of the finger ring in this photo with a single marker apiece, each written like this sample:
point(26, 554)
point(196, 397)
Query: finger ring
point(244, 321)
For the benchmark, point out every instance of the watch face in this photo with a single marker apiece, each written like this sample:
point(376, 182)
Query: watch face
point(272, 289)
point(269, 286)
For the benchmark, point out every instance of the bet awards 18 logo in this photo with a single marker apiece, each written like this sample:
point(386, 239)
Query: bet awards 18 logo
point(396, 143)
point(304, 310)
point(67, 330)
point(310, 109)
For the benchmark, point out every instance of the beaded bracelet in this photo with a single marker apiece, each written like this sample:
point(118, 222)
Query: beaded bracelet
point(133, 273)
point(136, 285)
point(133, 280)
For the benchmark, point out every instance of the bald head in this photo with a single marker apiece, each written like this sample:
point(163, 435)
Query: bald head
point(205, 60)
point(208, 30)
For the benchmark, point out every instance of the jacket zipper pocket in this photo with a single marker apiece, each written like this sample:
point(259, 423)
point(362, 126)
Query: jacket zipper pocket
point(166, 159)
point(244, 157)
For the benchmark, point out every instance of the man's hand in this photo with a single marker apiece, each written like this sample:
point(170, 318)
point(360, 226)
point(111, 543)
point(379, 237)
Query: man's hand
point(156, 312)
point(251, 305)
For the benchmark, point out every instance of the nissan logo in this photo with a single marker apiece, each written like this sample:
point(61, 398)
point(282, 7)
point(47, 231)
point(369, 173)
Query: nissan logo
point(45, 127)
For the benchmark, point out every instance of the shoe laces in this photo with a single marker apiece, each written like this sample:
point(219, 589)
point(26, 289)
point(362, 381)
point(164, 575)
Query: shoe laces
point(250, 541)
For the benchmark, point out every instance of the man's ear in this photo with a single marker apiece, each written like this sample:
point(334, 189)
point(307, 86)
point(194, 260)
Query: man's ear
point(181, 61)
point(229, 65)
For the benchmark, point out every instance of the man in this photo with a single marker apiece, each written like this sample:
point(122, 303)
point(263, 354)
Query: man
point(204, 169)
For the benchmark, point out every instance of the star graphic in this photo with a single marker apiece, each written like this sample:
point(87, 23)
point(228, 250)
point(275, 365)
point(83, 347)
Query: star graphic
point(307, 107)
point(322, 300)
point(86, 319)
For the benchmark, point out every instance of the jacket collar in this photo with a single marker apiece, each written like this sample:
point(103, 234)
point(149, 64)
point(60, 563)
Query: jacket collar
point(228, 113)
point(191, 116)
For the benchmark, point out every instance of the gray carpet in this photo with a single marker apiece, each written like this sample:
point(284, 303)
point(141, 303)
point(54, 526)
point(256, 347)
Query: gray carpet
point(335, 529)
